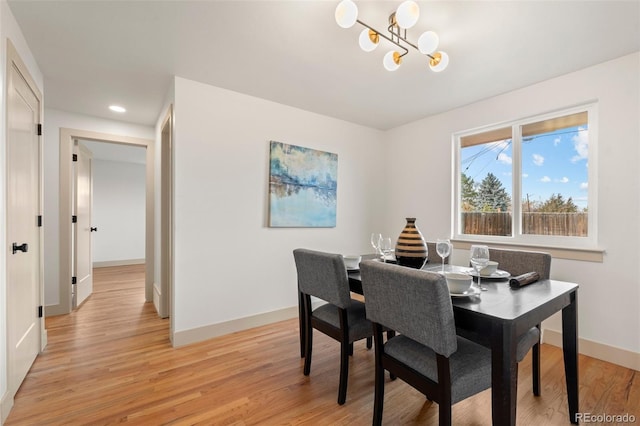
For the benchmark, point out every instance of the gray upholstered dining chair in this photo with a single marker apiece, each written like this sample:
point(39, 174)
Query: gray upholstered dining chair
point(323, 275)
point(433, 257)
point(427, 354)
point(518, 262)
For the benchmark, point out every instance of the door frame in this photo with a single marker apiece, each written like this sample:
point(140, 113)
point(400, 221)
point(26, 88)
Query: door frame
point(164, 293)
point(67, 138)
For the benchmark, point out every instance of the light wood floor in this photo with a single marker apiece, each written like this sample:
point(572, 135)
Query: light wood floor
point(111, 362)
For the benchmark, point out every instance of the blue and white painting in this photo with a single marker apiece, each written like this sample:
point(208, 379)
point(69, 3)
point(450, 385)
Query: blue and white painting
point(303, 185)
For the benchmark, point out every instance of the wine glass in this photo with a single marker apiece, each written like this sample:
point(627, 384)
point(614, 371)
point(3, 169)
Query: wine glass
point(443, 247)
point(375, 242)
point(479, 259)
point(386, 246)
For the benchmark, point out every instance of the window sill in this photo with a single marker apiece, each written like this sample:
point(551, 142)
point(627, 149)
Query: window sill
point(570, 253)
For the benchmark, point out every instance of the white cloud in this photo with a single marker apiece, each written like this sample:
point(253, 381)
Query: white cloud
point(504, 158)
point(563, 180)
point(556, 141)
point(545, 179)
point(538, 159)
point(525, 175)
point(581, 145)
point(584, 185)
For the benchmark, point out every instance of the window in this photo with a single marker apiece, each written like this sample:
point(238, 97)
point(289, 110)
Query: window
point(529, 181)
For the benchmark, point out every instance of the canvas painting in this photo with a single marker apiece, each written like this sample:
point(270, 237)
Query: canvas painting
point(302, 187)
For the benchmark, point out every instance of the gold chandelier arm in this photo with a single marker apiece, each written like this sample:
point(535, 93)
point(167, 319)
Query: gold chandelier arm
point(387, 38)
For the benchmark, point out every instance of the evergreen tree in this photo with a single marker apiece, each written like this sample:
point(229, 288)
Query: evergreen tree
point(557, 204)
point(492, 197)
point(469, 193)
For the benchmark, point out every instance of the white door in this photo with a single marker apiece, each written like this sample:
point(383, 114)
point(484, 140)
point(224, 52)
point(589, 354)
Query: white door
point(23, 232)
point(83, 262)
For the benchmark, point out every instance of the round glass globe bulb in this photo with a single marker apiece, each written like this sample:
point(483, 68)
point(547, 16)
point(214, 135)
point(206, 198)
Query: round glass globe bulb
point(407, 14)
point(442, 64)
point(389, 62)
point(428, 42)
point(346, 13)
point(365, 41)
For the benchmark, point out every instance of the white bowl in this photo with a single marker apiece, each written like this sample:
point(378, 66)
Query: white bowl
point(458, 283)
point(489, 269)
point(351, 261)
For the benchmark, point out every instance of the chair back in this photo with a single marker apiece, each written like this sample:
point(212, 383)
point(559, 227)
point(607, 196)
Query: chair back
point(412, 302)
point(434, 257)
point(323, 275)
point(518, 262)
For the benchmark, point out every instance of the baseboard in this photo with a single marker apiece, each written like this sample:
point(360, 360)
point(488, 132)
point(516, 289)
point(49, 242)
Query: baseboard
point(53, 310)
point(194, 335)
point(107, 263)
point(6, 404)
point(612, 354)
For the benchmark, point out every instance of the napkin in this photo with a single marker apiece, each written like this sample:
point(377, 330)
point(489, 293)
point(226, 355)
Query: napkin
point(524, 279)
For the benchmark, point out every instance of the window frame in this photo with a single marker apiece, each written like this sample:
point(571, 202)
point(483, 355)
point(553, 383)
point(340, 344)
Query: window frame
point(589, 242)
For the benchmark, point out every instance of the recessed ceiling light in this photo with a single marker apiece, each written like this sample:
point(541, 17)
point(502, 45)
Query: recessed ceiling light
point(117, 108)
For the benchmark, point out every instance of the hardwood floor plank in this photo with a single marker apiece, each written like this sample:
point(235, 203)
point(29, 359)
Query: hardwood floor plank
point(111, 362)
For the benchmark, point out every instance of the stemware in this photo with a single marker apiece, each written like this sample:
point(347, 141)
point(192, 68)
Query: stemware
point(479, 259)
point(443, 247)
point(375, 242)
point(386, 246)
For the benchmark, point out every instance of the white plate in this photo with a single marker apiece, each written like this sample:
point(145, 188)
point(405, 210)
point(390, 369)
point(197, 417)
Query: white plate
point(471, 292)
point(497, 274)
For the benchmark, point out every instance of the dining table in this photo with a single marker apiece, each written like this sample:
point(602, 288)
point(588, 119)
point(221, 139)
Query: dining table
point(495, 318)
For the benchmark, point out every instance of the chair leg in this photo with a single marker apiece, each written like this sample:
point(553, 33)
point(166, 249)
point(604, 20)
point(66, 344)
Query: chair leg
point(308, 336)
point(307, 352)
point(369, 342)
point(301, 323)
point(535, 364)
point(444, 414)
point(350, 349)
point(345, 348)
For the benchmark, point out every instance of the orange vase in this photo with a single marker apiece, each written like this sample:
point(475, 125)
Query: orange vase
point(411, 249)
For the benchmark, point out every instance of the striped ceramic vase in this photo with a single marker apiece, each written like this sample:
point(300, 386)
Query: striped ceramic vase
point(411, 249)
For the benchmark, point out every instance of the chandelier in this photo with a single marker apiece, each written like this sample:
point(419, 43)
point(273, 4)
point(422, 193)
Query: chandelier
point(403, 18)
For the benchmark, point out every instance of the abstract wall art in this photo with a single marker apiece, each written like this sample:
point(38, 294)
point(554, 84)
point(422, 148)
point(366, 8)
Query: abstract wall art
point(302, 186)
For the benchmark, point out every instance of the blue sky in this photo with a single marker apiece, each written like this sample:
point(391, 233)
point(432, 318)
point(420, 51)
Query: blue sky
point(555, 162)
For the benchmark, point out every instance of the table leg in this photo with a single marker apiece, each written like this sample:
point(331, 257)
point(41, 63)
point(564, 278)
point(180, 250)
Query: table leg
point(504, 375)
point(570, 352)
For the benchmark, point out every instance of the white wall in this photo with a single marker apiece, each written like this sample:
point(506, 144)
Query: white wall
point(118, 210)
point(8, 30)
point(54, 120)
point(609, 295)
point(228, 263)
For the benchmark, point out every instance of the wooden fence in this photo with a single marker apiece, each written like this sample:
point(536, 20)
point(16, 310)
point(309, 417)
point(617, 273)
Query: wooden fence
point(566, 224)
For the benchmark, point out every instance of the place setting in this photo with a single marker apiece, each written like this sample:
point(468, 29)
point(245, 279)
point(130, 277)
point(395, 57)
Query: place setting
point(461, 281)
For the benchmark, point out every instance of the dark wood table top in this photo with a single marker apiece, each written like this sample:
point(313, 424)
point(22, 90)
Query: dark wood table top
point(500, 301)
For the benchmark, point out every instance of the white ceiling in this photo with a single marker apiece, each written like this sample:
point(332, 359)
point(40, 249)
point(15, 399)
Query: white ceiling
point(96, 53)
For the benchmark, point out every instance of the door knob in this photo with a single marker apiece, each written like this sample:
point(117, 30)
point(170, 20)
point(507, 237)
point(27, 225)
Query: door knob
point(94, 229)
point(24, 247)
